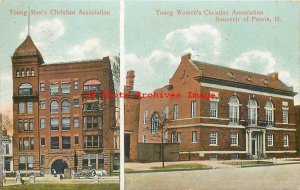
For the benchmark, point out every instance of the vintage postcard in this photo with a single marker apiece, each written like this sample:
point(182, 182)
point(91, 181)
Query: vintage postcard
point(212, 95)
point(57, 60)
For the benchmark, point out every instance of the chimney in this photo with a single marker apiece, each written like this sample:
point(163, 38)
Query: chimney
point(186, 57)
point(274, 75)
point(130, 80)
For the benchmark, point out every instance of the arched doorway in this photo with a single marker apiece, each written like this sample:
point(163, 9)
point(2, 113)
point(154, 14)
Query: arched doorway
point(59, 166)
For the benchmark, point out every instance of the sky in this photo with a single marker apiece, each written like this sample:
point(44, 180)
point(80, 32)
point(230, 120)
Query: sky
point(155, 42)
point(59, 38)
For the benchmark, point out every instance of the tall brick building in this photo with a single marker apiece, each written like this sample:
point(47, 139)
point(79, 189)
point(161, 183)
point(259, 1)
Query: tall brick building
point(221, 113)
point(60, 119)
point(297, 111)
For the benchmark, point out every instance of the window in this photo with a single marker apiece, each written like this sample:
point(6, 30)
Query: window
point(85, 160)
point(54, 89)
point(31, 144)
point(30, 124)
point(76, 122)
point(75, 84)
point(89, 141)
point(193, 109)
point(21, 107)
point(54, 123)
point(25, 89)
point(194, 136)
point(165, 137)
point(76, 103)
point(92, 85)
point(54, 107)
point(154, 122)
point(213, 109)
point(65, 106)
point(252, 112)
point(42, 87)
point(42, 105)
point(175, 111)
point(54, 143)
point(213, 157)
point(173, 137)
point(145, 116)
point(22, 163)
point(66, 143)
point(95, 141)
point(269, 113)
point(213, 138)
point(22, 73)
point(89, 122)
point(43, 143)
point(285, 140)
point(166, 112)
point(95, 122)
point(29, 107)
point(234, 156)
point(179, 137)
point(234, 139)
point(42, 123)
point(285, 116)
point(18, 73)
point(76, 140)
point(20, 144)
point(42, 160)
point(6, 148)
point(233, 110)
point(27, 73)
point(65, 88)
point(144, 138)
point(32, 72)
point(20, 125)
point(65, 123)
point(270, 140)
point(100, 161)
point(26, 143)
point(25, 125)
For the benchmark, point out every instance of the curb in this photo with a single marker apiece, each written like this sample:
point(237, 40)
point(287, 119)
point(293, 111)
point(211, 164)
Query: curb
point(263, 165)
point(170, 170)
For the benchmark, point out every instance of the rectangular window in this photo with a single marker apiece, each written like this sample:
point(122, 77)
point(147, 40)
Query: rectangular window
point(85, 161)
point(43, 142)
point(234, 156)
point(20, 143)
point(76, 140)
point(89, 122)
point(65, 123)
point(285, 140)
point(20, 125)
point(165, 137)
point(213, 109)
point(54, 123)
point(194, 136)
point(213, 138)
point(213, 157)
point(42, 160)
point(93, 161)
point(6, 148)
point(270, 140)
point(145, 116)
point(22, 163)
point(166, 112)
point(76, 103)
point(173, 137)
point(66, 143)
point(95, 122)
point(21, 107)
point(234, 139)
point(26, 143)
point(193, 109)
point(75, 84)
point(76, 122)
point(89, 141)
point(42, 105)
point(65, 88)
point(175, 112)
point(100, 161)
point(95, 141)
point(31, 125)
point(179, 137)
point(29, 107)
point(42, 87)
point(31, 144)
point(54, 89)
point(54, 142)
point(25, 125)
point(42, 123)
point(30, 163)
point(285, 116)
point(144, 138)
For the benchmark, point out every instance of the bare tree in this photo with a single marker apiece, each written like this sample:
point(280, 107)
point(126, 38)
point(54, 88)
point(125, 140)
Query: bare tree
point(6, 122)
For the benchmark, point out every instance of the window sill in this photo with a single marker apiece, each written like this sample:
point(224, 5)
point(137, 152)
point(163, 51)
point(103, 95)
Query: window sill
point(213, 145)
point(213, 117)
point(194, 142)
point(286, 146)
point(235, 145)
point(269, 145)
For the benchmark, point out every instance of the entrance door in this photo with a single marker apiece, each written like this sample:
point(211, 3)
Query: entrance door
point(59, 166)
point(127, 146)
point(253, 147)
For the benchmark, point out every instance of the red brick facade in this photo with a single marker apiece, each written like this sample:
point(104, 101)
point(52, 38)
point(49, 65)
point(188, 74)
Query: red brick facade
point(236, 114)
point(297, 111)
point(62, 120)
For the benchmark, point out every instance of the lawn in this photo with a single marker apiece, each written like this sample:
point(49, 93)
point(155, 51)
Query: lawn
point(63, 187)
point(181, 166)
point(247, 163)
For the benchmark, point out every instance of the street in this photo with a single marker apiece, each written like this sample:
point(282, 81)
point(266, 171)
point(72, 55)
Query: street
point(281, 177)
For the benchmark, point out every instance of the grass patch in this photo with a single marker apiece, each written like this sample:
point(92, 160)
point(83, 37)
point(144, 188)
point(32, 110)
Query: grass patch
point(180, 166)
point(128, 169)
point(253, 162)
point(63, 187)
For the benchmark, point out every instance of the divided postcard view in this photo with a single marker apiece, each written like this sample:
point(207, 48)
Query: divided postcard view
point(140, 95)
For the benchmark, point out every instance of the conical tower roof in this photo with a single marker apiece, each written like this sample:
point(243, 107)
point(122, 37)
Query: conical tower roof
point(28, 48)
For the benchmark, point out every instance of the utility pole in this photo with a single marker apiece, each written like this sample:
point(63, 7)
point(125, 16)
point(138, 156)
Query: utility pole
point(1, 154)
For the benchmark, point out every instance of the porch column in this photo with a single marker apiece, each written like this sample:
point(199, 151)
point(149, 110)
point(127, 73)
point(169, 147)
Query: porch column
point(250, 142)
point(264, 143)
point(247, 143)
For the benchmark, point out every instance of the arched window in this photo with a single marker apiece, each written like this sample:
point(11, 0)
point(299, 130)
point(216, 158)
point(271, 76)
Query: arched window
point(54, 107)
point(154, 122)
point(92, 85)
point(22, 73)
point(233, 110)
point(32, 72)
point(252, 112)
point(25, 89)
point(18, 73)
point(27, 73)
point(65, 106)
point(269, 113)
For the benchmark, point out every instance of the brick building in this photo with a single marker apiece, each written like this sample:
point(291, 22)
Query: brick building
point(297, 111)
point(215, 112)
point(60, 119)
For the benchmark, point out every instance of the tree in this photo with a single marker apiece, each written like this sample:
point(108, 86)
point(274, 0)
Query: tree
point(75, 161)
point(116, 76)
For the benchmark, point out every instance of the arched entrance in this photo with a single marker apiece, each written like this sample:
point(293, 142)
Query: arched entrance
point(59, 166)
